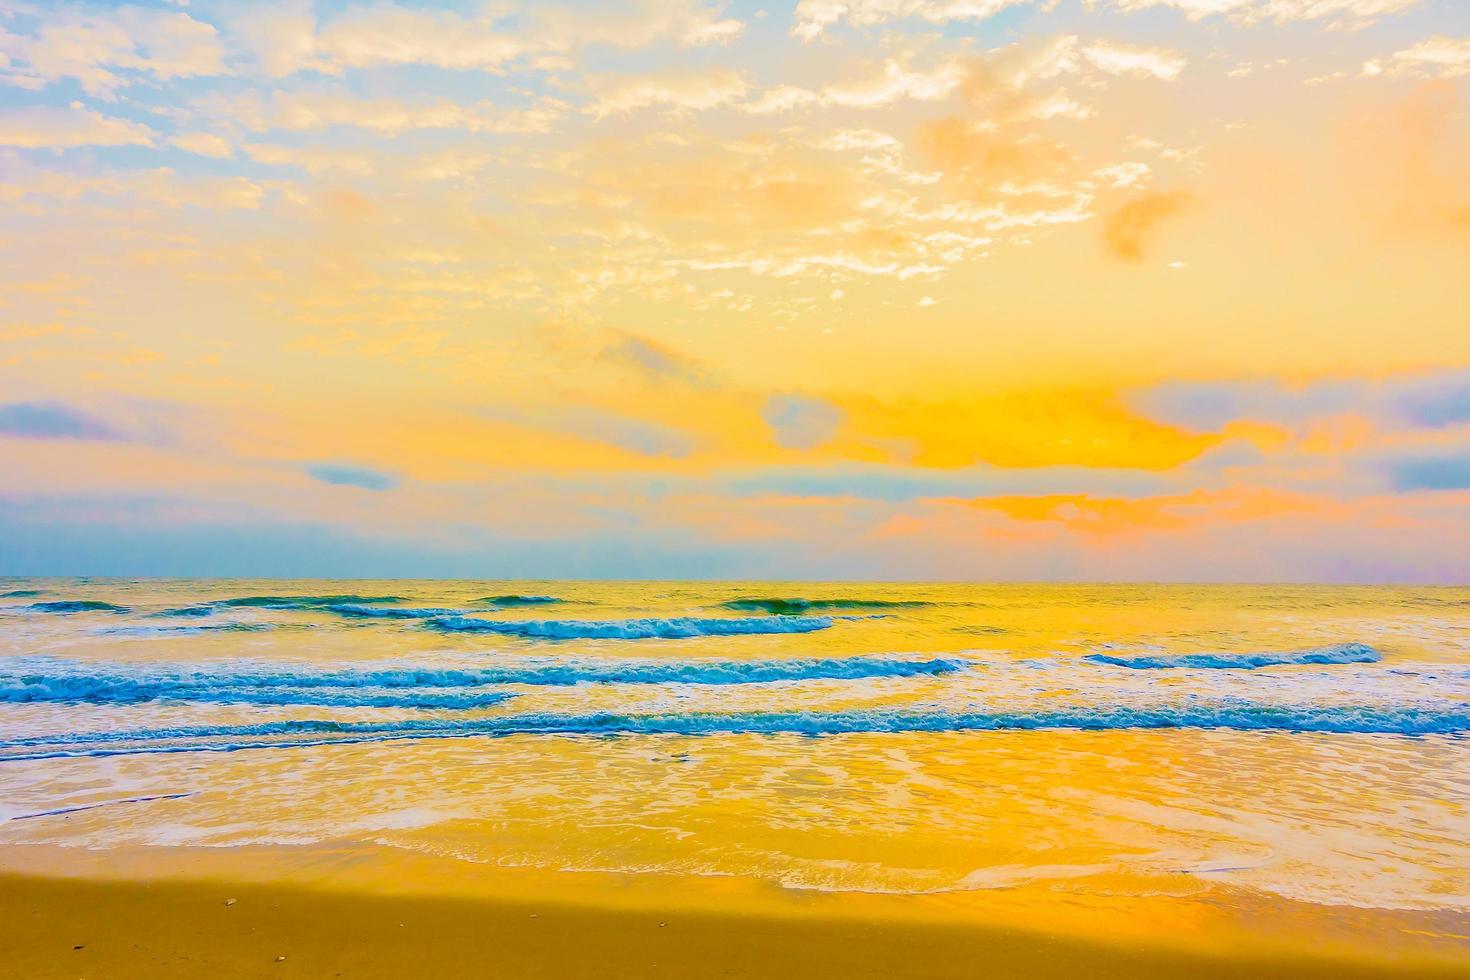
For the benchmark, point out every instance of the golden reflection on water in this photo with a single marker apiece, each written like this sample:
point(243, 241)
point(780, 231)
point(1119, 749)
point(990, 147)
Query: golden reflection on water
point(1366, 820)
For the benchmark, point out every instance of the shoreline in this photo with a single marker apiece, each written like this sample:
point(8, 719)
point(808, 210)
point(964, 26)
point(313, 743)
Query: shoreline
point(358, 911)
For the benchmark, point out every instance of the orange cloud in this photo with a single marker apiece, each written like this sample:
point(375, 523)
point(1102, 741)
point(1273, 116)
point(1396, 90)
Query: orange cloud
point(1128, 230)
point(1120, 515)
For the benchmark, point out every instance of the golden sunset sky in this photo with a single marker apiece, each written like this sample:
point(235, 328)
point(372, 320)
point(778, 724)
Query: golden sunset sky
point(888, 289)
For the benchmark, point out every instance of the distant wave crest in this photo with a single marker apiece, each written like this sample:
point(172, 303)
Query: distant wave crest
point(1340, 653)
point(302, 601)
point(679, 627)
point(358, 611)
point(789, 606)
point(76, 606)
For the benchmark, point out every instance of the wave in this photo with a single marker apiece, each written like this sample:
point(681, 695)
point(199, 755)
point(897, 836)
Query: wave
point(355, 611)
point(80, 681)
point(184, 611)
point(518, 600)
point(116, 691)
point(786, 607)
point(679, 627)
point(302, 601)
point(1409, 720)
point(191, 630)
point(21, 594)
point(76, 606)
point(1340, 653)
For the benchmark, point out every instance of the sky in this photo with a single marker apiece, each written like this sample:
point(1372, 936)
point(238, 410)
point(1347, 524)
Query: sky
point(1026, 290)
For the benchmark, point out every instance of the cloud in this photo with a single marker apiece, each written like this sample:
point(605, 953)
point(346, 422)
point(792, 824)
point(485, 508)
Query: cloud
point(1140, 62)
point(386, 115)
point(652, 360)
point(683, 90)
point(815, 17)
point(1211, 405)
point(900, 484)
point(57, 128)
point(53, 420)
point(1436, 57)
point(1439, 402)
point(801, 421)
point(897, 81)
point(312, 159)
point(959, 146)
point(1129, 229)
point(1434, 401)
point(343, 475)
point(624, 431)
point(1093, 515)
point(1352, 13)
point(289, 37)
point(161, 186)
point(636, 24)
point(204, 144)
point(104, 51)
point(1431, 473)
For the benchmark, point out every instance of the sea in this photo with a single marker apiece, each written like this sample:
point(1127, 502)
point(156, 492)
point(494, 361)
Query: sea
point(1303, 742)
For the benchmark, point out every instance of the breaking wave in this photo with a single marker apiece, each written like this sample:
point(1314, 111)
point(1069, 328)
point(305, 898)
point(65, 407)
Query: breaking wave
point(1340, 653)
point(81, 690)
point(679, 627)
point(77, 681)
point(1423, 719)
point(785, 607)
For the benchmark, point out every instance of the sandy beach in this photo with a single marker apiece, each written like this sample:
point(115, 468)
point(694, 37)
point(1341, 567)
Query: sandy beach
point(366, 913)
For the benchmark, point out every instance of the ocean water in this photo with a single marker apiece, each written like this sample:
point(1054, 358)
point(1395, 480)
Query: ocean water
point(1304, 742)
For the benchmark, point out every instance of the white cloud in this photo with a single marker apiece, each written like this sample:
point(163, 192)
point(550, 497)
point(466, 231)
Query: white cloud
point(104, 51)
point(1127, 59)
point(1352, 13)
point(814, 17)
point(370, 36)
point(313, 159)
point(1445, 57)
point(1129, 174)
point(50, 127)
point(637, 24)
point(896, 82)
point(204, 144)
point(288, 37)
point(692, 91)
point(161, 186)
point(387, 116)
